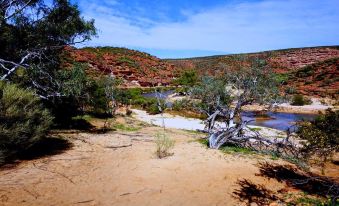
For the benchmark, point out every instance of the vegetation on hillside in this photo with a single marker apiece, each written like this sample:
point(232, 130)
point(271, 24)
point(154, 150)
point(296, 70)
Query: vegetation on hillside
point(134, 67)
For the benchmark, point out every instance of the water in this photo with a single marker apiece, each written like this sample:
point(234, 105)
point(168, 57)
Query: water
point(162, 95)
point(278, 120)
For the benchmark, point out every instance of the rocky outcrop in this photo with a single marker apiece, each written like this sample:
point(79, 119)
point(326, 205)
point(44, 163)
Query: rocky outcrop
point(319, 79)
point(293, 59)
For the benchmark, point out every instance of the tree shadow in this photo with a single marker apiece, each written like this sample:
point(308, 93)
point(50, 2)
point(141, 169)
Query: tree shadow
point(46, 147)
point(252, 193)
point(305, 181)
point(82, 125)
point(75, 124)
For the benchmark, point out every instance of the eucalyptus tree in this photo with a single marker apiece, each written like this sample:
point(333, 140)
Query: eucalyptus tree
point(33, 34)
point(222, 99)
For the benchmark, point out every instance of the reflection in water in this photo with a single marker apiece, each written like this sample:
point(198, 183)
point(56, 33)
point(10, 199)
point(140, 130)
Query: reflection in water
point(277, 120)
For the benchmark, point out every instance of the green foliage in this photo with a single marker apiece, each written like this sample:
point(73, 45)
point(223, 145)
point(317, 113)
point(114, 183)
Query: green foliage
point(321, 135)
point(100, 51)
point(255, 129)
point(183, 104)
point(251, 84)
point(23, 120)
point(153, 108)
point(126, 60)
point(43, 29)
point(211, 91)
point(305, 72)
point(290, 90)
point(187, 78)
point(134, 97)
point(105, 95)
point(74, 85)
point(228, 149)
point(126, 128)
point(281, 78)
point(300, 100)
point(74, 82)
point(305, 200)
point(232, 149)
point(163, 145)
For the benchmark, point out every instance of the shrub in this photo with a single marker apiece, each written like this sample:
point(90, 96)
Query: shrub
point(187, 78)
point(163, 145)
point(281, 78)
point(23, 120)
point(153, 106)
point(321, 135)
point(290, 90)
point(300, 100)
point(183, 104)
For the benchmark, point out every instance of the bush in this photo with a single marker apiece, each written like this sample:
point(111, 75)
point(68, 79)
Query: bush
point(300, 100)
point(183, 104)
point(281, 78)
point(321, 135)
point(152, 106)
point(23, 120)
point(290, 90)
point(187, 78)
point(163, 145)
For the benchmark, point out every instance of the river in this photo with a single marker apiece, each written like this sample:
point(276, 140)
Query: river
point(275, 120)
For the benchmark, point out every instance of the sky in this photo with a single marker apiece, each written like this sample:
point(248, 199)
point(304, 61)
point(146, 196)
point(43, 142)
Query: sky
point(189, 28)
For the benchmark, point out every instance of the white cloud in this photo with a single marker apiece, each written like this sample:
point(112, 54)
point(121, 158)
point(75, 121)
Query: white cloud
point(242, 27)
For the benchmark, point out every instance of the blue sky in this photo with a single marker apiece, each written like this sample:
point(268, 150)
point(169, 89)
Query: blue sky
point(188, 28)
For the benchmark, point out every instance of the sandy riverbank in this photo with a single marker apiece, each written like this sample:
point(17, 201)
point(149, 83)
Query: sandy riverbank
point(120, 168)
point(287, 108)
point(94, 173)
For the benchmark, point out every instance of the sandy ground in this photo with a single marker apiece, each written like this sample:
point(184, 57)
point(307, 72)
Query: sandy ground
point(94, 172)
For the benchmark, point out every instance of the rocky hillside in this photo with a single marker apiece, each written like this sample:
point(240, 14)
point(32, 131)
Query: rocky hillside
point(318, 79)
point(310, 71)
point(134, 67)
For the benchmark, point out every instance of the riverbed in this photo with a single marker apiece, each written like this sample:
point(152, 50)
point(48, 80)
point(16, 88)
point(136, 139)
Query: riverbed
point(275, 120)
point(179, 122)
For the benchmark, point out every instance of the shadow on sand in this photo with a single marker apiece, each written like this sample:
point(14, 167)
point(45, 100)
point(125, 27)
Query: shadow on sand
point(46, 147)
point(252, 193)
point(307, 182)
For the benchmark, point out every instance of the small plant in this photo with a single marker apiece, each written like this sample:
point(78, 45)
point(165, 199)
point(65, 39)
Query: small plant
point(300, 100)
point(183, 104)
point(127, 60)
point(255, 129)
point(233, 149)
point(290, 90)
point(163, 145)
point(126, 128)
